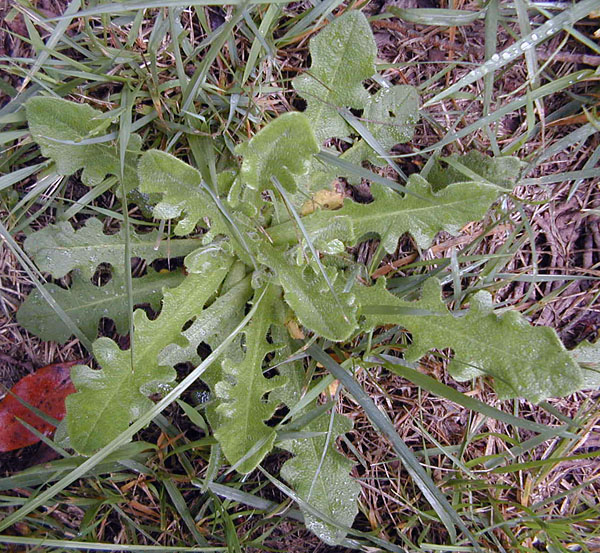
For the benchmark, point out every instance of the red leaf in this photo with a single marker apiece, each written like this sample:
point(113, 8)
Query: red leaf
point(46, 389)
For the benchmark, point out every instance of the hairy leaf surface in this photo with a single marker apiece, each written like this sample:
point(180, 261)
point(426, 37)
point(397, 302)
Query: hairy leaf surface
point(320, 475)
point(283, 149)
point(87, 303)
point(317, 473)
point(243, 408)
point(420, 212)
point(525, 361)
point(208, 324)
point(57, 125)
point(59, 249)
point(391, 116)
point(329, 313)
point(343, 56)
point(107, 400)
point(503, 171)
point(182, 193)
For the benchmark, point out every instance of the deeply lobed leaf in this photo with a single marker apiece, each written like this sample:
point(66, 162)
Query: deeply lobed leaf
point(87, 303)
point(420, 212)
point(343, 56)
point(107, 400)
point(58, 249)
point(243, 407)
point(525, 361)
point(60, 127)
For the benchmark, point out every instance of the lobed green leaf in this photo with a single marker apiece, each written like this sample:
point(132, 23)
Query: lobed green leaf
point(65, 132)
point(109, 399)
point(421, 212)
point(525, 361)
point(343, 56)
point(58, 249)
point(87, 303)
point(244, 437)
point(331, 314)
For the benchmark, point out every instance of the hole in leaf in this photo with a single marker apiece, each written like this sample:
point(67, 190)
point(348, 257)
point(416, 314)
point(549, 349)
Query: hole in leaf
point(103, 274)
point(203, 350)
point(278, 416)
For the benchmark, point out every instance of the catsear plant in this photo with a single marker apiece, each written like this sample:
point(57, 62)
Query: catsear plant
point(248, 236)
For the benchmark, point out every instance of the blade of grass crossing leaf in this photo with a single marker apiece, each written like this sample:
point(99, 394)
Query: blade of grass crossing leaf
point(35, 277)
point(309, 243)
point(362, 173)
point(371, 141)
point(438, 501)
point(135, 427)
point(88, 197)
point(409, 371)
point(310, 509)
point(127, 100)
point(565, 19)
point(44, 438)
point(324, 452)
point(230, 220)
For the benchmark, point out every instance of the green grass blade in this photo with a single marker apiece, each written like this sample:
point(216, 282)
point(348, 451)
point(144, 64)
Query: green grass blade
point(438, 501)
point(436, 16)
point(111, 547)
point(408, 371)
point(53, 40)
point(127, 100)
point(568, 17)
